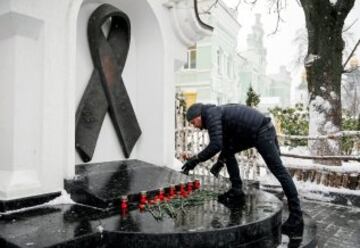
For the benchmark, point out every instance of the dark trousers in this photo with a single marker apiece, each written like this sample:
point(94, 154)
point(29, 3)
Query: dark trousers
point(266, 144)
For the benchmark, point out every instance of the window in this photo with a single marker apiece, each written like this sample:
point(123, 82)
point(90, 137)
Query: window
point(219, 61)
point(191, 59)
point(229, 67)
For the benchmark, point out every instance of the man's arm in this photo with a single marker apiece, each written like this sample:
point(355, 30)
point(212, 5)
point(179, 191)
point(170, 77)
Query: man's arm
point(214, 125)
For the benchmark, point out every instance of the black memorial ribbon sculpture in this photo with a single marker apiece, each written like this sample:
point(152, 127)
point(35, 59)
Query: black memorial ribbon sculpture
point(106, 90)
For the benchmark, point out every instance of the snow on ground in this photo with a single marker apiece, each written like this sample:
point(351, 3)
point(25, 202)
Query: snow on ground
point(305, 187)
point(348, 167)
point(64, 198)
point(310, 190)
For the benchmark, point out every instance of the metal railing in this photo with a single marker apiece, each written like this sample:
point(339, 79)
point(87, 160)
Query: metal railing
point(190, 141)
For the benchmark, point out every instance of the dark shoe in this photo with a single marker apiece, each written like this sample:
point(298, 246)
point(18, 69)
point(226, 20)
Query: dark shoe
point(233, 196)
point(293, 226)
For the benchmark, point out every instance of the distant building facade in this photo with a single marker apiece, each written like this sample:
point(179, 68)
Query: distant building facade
point(212, 68)
point(217, 73)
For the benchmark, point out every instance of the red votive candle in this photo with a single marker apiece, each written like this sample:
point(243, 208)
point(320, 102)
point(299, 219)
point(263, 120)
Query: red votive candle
point(181, 188)
point(143, 198)
point(172, 191)
point(161, 194)
point(156, 199)
point(189, 187)
point(124, 204)
point(197, 184)
point(141, 207)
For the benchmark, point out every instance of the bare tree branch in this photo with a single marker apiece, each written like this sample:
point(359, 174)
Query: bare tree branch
point(351, 54)
point(278, 11)
point(237, 5)
point(343, 8)
point(210, 7)
point(350, 26)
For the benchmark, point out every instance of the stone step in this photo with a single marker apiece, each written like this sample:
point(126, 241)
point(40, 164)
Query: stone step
point(255, 223)
point(102, 184)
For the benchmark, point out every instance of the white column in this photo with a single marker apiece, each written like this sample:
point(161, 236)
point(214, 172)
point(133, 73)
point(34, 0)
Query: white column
point(31, 97)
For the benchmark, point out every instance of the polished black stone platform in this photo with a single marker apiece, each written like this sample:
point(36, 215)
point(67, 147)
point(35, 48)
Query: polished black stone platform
point(26, 202)
point(256, 223)
point(102, 184)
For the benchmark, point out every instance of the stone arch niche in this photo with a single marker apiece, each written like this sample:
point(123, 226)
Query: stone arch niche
point(160, 34)
point(44, 69)
point(143, 77)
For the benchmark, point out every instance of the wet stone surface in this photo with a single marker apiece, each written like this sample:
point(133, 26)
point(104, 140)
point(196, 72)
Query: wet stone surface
point(337, 226)
point(102, 184)
point(308, 238)
point(208, 225)
point(101, 223)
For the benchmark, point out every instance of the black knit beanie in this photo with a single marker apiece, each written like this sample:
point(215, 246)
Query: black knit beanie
point(194, 111)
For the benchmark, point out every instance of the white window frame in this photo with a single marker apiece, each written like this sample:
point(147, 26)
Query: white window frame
point(190, 63)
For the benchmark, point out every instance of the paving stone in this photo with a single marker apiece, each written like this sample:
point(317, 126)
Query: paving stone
point(337, 226)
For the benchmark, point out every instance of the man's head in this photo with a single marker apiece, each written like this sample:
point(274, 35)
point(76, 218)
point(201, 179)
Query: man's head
point(193, 115)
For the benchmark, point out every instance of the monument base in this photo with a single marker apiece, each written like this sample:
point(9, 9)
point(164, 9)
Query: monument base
point(254, 223)
point(16, 204)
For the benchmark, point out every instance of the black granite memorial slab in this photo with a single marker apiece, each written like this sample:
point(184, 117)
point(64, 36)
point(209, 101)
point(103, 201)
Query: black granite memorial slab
point(256, 223)
point(102, 184)
point(57, 226)
point(26, 201)
point(209, 225)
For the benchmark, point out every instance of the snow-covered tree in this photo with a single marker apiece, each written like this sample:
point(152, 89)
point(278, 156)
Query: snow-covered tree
point(324, 23)
point(351, 89)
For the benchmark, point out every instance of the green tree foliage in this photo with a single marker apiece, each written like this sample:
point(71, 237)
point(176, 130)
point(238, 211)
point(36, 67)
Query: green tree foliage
point(252, 99)
point(349, 123)
point(293, 121)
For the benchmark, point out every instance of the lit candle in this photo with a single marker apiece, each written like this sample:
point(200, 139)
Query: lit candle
point(124, 204)
point(197, 184)
point(189, 187)
point(161, 194)
point(172, 191)
point(143, 199)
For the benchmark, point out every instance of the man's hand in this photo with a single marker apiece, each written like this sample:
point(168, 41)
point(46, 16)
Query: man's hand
point(185, 156)
point(190, 165)
point(216, 168)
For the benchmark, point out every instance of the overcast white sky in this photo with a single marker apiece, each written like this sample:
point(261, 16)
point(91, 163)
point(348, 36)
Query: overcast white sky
point(281, 49)
point(280, 46)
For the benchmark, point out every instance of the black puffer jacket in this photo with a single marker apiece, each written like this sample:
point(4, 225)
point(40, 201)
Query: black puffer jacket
point(232, 128)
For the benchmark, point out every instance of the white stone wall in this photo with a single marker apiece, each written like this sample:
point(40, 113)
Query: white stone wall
point(45, 67)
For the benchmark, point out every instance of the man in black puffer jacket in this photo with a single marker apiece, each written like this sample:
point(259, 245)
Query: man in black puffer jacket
point(233, 128)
